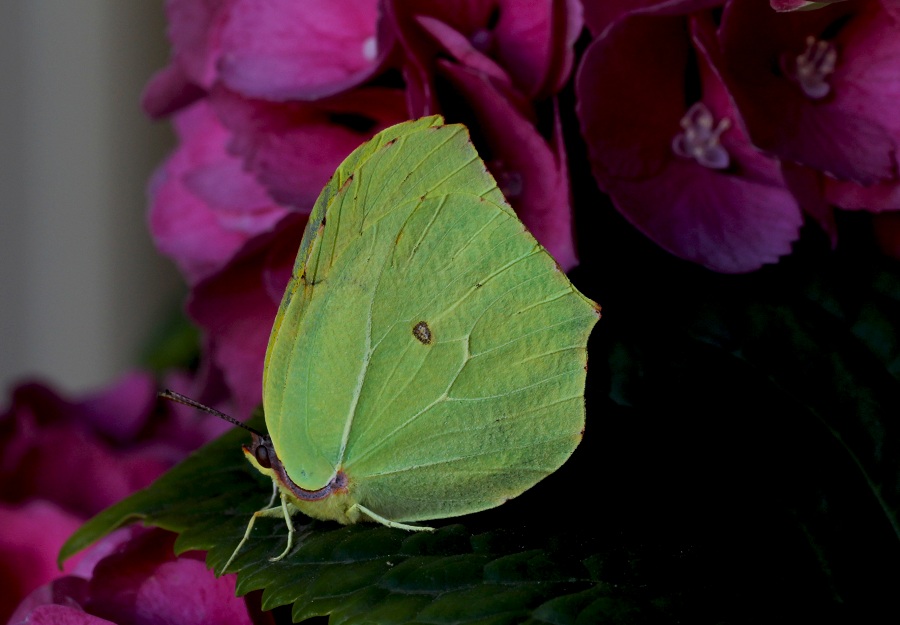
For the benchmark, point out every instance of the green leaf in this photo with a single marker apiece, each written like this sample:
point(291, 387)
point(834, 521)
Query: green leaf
point(367, 572)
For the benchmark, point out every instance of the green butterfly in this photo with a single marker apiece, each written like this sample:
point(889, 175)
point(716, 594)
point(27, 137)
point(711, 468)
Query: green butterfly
point(428, 358)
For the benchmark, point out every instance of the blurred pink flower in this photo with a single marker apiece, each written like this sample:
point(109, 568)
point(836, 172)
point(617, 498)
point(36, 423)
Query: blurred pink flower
point(276, 50)
point(294, 147)
point(64, 460)
point(137, 580)
point(236, 308)
point(670, 150)
point(203, 205)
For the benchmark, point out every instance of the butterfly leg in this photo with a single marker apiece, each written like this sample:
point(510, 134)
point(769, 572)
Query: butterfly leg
point(271, 510)
point(389, 523)
point(285, 505)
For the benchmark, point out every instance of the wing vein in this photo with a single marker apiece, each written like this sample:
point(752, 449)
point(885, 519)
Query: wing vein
point(361, 378)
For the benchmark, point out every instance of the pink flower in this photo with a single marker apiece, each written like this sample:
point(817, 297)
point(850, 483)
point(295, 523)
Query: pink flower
point(820, 94)
point(33, 532)
point(64, 460)
point(820, 90)
point(484, 64)
point(293, 148)
point(671, 153)
point(237, 306)
point(203, 205)
point(276, 50)
point(140, 581)
point(329, 47)
point(529, 44)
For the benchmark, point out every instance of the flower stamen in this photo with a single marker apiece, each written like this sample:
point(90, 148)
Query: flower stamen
point(812, 68)
point(700, 139)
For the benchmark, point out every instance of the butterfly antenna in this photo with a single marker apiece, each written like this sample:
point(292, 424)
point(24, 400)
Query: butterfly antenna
point(187, 401)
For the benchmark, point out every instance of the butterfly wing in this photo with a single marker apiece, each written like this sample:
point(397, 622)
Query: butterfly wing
point(427, 345)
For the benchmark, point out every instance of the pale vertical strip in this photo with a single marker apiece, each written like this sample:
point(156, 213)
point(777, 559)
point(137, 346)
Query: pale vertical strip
point(82, 284)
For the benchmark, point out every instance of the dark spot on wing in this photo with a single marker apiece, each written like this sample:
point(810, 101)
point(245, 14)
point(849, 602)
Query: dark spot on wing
point(422, 333)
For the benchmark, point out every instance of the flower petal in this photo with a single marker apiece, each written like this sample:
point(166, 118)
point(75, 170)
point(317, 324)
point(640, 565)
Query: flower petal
point(839, 134)
point(32, 536)
point(236, 308)
point(600, 14)
point(730, 220)
point(293, 148)
point(203, 205)
point(530, 173)
point(145, 584)
point(287, 50)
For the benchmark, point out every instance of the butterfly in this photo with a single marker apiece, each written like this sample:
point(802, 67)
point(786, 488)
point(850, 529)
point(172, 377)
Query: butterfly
point(428, 358)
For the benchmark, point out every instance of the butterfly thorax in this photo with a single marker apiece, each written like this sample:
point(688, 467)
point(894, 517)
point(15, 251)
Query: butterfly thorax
point(333, 502)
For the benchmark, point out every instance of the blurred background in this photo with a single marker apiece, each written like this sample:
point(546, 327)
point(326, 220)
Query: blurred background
point(82, 287)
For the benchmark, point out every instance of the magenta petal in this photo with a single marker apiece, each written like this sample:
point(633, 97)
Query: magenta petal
point(78, 469)
point(283, 49)
point(568, 24)
point(122, 409)
point(203, 205)
point(600, 14)
point(460, 48)
point(237, 306)
point(838, 134)
point(531, 41)
point(527, 169)
point(68, 592)
point(796, 5)
point(169, 90)
point(730, 220)
point(145, 584)
point(293, 148)
point(32, 536)
point(622, 118)
point(195, 30)
point(82, 473)
point(62, 615)
point(535, 43)
point(722, 222)
point(186, 592)
point(876, 198)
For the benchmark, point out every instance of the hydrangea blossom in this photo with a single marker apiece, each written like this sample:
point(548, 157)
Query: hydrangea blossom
point(671, 153)
point(63, 460)
point(135, 578)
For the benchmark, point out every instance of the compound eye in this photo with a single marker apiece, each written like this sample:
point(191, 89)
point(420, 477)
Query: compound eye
point(263, 456)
